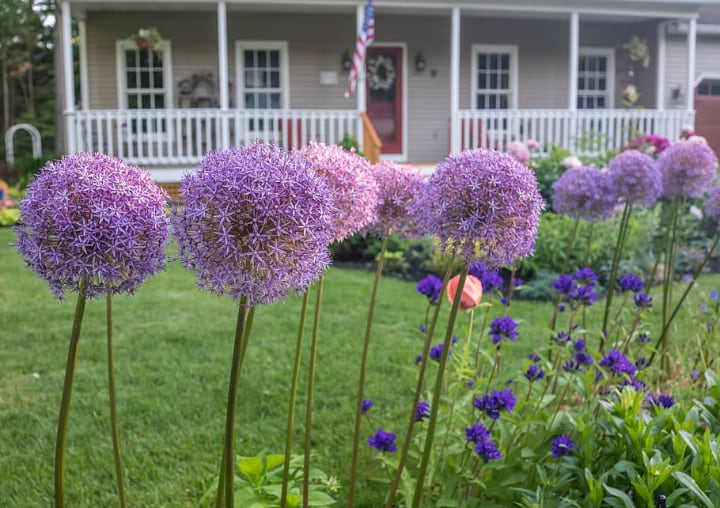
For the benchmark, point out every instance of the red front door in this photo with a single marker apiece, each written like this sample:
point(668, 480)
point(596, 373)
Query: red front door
point(384, 95)
point(707, 112)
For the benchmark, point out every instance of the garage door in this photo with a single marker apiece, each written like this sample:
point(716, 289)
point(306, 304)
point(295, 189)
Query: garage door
point(707, 116)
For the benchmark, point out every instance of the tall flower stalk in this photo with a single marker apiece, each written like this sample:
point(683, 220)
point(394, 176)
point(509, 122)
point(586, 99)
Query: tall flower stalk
point(255, 224)
point(113, 403)
point(96, 226)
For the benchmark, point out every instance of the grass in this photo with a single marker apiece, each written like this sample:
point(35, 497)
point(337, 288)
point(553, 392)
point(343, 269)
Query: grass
point(172, 348)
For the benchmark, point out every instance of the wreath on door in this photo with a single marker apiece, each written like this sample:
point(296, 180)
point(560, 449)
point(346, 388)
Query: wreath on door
point(381, 73)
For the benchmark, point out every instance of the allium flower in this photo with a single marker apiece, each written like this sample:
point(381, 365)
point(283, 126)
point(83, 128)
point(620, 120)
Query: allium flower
point(92, 217)
point(255, 222)
point(423, 411)
point(636, 177)
point(643, 300)
point(533, 373)
point(630, 282)
point(430, 286)
point(399, 186)
point(383, 441)
point(562, 445)
point(585, 193)
point(366, 405)
point(492, 403)
point(354, 191)
point(519, 151)
point(503, 328)
point(618, 363)
point(483, 201)
point(687, 169)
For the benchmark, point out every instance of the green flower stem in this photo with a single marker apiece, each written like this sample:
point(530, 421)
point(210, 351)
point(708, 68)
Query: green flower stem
point(113, 405)
point(568, 252)
point(588, 245)
point(429, 332)
point(484, 326)
point(310, 392)
point(242, 332)
point(363, 368)
point(663, 335)
point(668, 277)
point(617, 255)
point(437, 392)
point(293, 396)
point(61, 439)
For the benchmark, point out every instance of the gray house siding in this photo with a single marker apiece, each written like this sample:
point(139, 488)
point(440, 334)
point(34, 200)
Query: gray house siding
point(707, 62)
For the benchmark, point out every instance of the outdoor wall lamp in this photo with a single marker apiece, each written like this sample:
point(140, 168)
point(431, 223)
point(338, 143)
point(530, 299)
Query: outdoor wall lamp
point(420, 62)
point(346, 61)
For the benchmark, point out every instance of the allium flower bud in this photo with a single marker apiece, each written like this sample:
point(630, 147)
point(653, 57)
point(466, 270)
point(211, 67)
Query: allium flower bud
point(351, 184)
point(687, 168)
point(481, 201)
point(585, 193)
point(399, 186)
point(93, 217)
point(256, 221)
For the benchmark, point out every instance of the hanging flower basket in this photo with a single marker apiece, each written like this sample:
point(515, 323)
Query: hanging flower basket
point(148, 38)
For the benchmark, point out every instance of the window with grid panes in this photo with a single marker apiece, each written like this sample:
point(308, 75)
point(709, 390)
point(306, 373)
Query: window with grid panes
point(262, 68)
point(493, 69)
point(595, 79)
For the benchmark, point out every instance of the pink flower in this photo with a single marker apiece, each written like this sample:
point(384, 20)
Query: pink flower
point(519, 151)
point(471, 293)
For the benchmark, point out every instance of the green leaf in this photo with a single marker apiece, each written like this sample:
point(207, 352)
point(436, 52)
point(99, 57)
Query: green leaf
point(688, 482)
point(619, 494)
point(445, 502)
point(273, 461)
point(252, 468)
point(317, 498)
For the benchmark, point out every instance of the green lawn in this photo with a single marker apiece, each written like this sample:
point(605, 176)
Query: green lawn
point(172, 353)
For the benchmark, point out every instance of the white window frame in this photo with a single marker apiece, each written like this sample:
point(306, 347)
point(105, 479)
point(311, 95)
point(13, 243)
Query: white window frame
point(282, 46)
point(512, 51)
point(120, 47)
point(609, 54)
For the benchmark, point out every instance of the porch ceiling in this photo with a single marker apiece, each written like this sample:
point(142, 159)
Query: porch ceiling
point(596, 10)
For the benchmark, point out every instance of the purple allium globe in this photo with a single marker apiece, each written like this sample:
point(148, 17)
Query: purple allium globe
point(585, 193)
point(92, 217)
point(687, 168)
point(482, 201)
point(256, 222)
point(353, 188)
point(399, 186)
point(636, 177)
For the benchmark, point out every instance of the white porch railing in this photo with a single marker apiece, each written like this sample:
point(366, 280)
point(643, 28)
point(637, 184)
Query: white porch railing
point(184, 136)
point(584, 132)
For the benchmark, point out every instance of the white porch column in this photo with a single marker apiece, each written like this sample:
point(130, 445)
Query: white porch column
point(68, 78)
point(223, 83)
point(691, 40)
point(454, 80)
point(573, 60)
point(360, 92)
point(84, 92)
point(660, 67)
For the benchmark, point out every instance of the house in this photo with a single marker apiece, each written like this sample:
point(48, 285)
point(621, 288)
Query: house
point(162, 82)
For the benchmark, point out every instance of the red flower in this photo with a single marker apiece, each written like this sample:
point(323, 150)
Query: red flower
point(472, 291)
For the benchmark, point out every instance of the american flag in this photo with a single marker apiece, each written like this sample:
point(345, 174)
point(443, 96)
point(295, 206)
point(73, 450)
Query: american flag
point(364, 39)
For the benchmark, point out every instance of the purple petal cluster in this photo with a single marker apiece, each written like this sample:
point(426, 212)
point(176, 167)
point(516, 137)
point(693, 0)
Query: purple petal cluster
point(579, 287)
point(353, 188)
point(687, 168)
point(503, 328)
point(383, 441)
point(562, 446)
point(256, 221)
point(92, 217)
point(636, 178)
point(712, 203)
point(533, 372)
point(661, 400)
point(423, 411)
point(399, 186)
point(585, 193)
point(484, 446)
point(366, 405)
point(436, 352)
point(618, 363)
point(483, 204)
point(494, 402)
point(643, 300)
point(430, 286)
point(490, 279)
point(630, 282)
